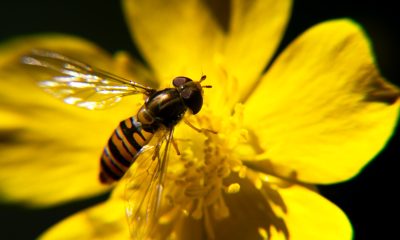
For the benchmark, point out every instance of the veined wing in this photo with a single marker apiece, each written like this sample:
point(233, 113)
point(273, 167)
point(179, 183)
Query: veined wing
point(144, 185)
point(80, 84)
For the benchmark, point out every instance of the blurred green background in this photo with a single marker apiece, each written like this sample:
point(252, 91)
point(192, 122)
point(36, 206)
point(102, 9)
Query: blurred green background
point(369, 199)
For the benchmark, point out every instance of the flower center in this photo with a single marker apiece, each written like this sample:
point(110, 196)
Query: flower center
point(198, 187)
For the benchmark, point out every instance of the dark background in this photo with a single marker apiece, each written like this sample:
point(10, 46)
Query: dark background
point(369, 199)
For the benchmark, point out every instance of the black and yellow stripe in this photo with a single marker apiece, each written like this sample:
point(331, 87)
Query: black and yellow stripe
point(122, 149)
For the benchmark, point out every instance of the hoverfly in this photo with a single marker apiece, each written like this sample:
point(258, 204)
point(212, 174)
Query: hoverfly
point(144, 139)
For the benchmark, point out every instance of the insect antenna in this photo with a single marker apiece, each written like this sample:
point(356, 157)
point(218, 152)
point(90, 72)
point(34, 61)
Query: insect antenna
point(203, 77)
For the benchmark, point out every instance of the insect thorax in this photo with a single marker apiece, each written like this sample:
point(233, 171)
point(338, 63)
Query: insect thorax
point(164, 107)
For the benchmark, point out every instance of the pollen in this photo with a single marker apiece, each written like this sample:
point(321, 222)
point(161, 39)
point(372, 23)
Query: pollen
point(202, 182)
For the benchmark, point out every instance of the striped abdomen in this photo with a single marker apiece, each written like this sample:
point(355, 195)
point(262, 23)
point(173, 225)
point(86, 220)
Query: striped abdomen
point(121, 150)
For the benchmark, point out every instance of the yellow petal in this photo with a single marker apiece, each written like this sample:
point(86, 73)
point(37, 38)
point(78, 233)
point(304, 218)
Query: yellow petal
point(175, 37)
point(310, 216)
point(323, 111)
point(49, 151)
point(104, 221)
point(256, 28)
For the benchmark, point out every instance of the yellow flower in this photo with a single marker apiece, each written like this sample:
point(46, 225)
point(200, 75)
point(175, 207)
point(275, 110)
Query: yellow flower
point(317, 116)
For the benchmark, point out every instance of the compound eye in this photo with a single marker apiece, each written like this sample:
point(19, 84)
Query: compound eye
point(180, 81)
point(193, 99)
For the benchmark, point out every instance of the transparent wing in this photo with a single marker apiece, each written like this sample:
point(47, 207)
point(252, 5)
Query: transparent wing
point(144, 184)
point(80, 84)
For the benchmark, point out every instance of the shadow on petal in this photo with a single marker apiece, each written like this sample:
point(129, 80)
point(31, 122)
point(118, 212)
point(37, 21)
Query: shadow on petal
point(253, 214)
point(252, 210)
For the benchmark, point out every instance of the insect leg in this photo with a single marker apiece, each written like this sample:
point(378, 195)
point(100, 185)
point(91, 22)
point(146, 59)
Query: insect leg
point(200, 130)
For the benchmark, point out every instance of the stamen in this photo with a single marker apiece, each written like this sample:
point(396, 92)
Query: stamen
point(198, 212)
point(220, 209)
point(198, 188)
point(208, 226)
point(195, 191)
